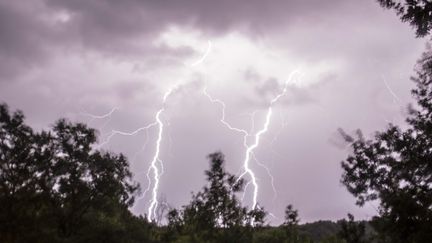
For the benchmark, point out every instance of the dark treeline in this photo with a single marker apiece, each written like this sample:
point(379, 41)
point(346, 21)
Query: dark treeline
point(56, 187)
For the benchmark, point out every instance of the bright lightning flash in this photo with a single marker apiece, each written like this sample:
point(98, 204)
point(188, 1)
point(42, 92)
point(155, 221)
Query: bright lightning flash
point(100, 116)
point(156, 164)
point(257, 137)
point(156, 159)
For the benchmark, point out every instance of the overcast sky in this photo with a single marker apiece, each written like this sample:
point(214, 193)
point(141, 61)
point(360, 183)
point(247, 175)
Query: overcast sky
point(63, 58)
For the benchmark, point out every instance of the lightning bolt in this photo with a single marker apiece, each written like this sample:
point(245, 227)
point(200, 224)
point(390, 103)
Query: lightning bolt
point(251, 141)
point(155, 169)
point(396, 98)
point(100, 116)
point(158, 171)
point(156, 164)
point(133, 133)
point(249, 153)
point(156, 159)
point(207, 52)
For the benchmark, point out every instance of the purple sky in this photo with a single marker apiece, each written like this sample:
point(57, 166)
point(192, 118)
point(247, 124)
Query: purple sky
point(63, 58)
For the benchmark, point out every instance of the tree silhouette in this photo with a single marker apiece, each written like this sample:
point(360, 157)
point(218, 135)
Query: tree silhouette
point(19, 199)
point(351, 231)
point(396, 168)
point(417, 12)
point(291, 223)
point(54, 186)
point(77, 178)
point(215, 214)
point(291, 216)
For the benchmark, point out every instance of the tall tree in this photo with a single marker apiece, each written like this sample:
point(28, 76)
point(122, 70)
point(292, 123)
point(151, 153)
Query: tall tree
point(78, 178)
point(417, 12)
point(215, 214)
point(396, 167)
point(291, 223)
point(291, 216)
point(19, 197)
point(54, 185)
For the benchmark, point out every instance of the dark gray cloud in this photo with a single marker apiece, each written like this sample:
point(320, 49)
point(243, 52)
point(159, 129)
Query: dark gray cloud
point(30, 32)
point(21, 39)
point(100, 19)
point(123, 28)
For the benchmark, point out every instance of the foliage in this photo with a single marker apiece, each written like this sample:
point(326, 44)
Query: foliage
point(396, 168)
point(291, 223)
point(417, 12)
point(215, 214)
point(320, 230)
point(55, 187)
point(291, 216)
point(351, 231)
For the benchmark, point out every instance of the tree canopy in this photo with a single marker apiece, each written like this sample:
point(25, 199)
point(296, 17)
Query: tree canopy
point(54, 186)
point(215, 214)
point(396, 168)
point(417, 12)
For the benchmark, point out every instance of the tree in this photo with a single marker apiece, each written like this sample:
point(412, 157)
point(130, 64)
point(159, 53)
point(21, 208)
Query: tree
point(215, 214)
point(291, 223)
point(351, 231)
point(417, 12)
point(291, 216)
point(18, 190)
point(396, 168)
point(77, 178)
point(54, 186)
